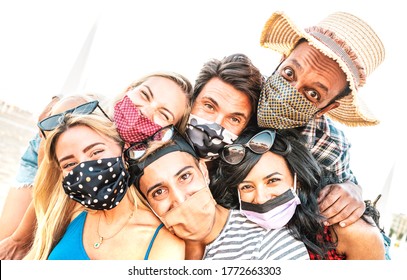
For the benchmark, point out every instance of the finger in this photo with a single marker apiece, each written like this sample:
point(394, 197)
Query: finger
point(332, 211)
point(337, 213)
point(328, 201)
point(353, 217)
point(322, 194)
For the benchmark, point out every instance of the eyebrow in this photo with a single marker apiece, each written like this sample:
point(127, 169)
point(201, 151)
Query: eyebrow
point(316, 84)
point(84, 150)
point(164, 108)
point(150, 189)
point(265, 178)
point(271, 175)
point(217, 105)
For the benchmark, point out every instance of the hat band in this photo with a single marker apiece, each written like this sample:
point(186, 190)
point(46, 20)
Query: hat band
point(330, 43)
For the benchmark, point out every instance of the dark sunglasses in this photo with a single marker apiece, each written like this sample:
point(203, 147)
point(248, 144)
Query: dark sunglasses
point(53, 121)
point(259, 144)
point(138, 149)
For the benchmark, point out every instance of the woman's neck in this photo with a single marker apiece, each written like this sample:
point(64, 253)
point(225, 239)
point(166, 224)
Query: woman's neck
point(120, 212)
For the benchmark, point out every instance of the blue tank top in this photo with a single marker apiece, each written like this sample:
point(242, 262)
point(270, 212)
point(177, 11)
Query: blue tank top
point(70, 247)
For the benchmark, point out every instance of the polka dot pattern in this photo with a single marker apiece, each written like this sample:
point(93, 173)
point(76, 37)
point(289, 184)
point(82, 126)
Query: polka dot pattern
point(98, 184)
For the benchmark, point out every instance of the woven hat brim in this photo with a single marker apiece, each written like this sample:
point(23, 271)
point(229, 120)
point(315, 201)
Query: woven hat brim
point(281, 35)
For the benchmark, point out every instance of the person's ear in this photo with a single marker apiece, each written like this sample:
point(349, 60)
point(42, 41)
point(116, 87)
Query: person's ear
point(328, 108)
point(204, 170)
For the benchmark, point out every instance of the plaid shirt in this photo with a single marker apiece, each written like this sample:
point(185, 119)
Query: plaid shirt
point(329, 146)
point(332, 254)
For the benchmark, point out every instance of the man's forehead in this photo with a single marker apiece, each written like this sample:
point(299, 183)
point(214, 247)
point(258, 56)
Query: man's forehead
point(173, 159)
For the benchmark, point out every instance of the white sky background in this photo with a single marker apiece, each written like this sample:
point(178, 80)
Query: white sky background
point(40, 41)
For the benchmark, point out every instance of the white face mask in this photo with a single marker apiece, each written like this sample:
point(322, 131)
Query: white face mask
point(274, 213)
point(282, 106)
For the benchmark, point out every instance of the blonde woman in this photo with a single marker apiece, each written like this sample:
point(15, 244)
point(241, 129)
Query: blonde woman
point(149, 103)
point(84, 204)
point(158, 99)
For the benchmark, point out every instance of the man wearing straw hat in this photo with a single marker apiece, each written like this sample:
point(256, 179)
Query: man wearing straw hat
point(317, 81)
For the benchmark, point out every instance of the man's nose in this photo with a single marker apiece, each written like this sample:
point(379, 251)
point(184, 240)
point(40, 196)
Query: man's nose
point(178, 197)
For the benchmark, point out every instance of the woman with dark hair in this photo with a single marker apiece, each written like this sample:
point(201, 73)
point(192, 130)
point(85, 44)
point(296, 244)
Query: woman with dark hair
point(274, 181)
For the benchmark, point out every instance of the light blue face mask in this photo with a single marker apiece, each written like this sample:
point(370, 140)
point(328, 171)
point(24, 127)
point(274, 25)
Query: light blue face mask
point(274, 213)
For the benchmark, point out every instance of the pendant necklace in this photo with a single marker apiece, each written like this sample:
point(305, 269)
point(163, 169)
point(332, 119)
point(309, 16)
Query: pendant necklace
point(97, 244)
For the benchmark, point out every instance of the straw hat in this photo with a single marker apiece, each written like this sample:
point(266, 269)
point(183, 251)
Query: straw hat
point(345, 38)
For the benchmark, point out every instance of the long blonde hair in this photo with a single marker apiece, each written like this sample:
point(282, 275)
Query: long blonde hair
point(53, 207)
point(179, 79)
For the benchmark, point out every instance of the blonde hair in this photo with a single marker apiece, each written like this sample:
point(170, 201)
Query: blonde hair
point(53, 208)
point(179, 79)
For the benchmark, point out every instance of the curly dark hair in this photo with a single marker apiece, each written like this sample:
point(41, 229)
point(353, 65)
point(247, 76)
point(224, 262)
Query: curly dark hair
point(306, 225)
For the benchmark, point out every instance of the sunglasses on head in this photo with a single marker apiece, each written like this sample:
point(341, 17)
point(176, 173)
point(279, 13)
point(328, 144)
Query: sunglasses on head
point(138, 149)
point(259, 144)
point(53, 121)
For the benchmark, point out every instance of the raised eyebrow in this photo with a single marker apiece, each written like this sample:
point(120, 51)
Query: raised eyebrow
point(321, 86)
point(317, 84)
point(296, 63)
point(87, 148)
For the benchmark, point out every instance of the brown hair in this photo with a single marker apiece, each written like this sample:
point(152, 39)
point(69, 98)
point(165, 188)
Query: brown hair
point(236, 70)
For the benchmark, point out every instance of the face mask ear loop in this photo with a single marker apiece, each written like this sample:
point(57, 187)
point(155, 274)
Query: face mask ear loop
point(238, 196)
point(295, 183)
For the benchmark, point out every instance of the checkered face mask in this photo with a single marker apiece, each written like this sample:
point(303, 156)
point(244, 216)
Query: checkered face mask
point(282, 106)
point(131, 124)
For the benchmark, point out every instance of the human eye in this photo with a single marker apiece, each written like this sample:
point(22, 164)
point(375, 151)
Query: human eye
point(272, 180)
point(288, 73)
point(145, 95)
point(185, 177)
point(165, 116)
point(245, 188)
point(235, 120)
point(159, 193)
point(68, 166)
point(312, 95)
point(208, 106)
point(96, 153)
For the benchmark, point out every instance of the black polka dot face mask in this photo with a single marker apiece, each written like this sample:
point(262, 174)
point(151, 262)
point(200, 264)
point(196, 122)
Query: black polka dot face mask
point(97, 184)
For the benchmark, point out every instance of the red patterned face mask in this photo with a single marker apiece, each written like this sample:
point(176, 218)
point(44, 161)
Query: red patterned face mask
point(130, 123)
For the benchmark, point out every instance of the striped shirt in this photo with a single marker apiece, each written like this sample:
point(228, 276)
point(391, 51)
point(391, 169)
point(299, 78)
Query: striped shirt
point(241, 239)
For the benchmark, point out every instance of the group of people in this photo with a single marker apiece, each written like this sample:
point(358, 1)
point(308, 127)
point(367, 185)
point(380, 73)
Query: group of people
point(236, 166)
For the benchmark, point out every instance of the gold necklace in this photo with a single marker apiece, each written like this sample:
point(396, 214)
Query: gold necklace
point(97, 244)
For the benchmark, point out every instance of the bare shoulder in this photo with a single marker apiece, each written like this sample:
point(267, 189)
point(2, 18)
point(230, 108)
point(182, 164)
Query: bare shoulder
point(360, 240)
point(167, 246)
